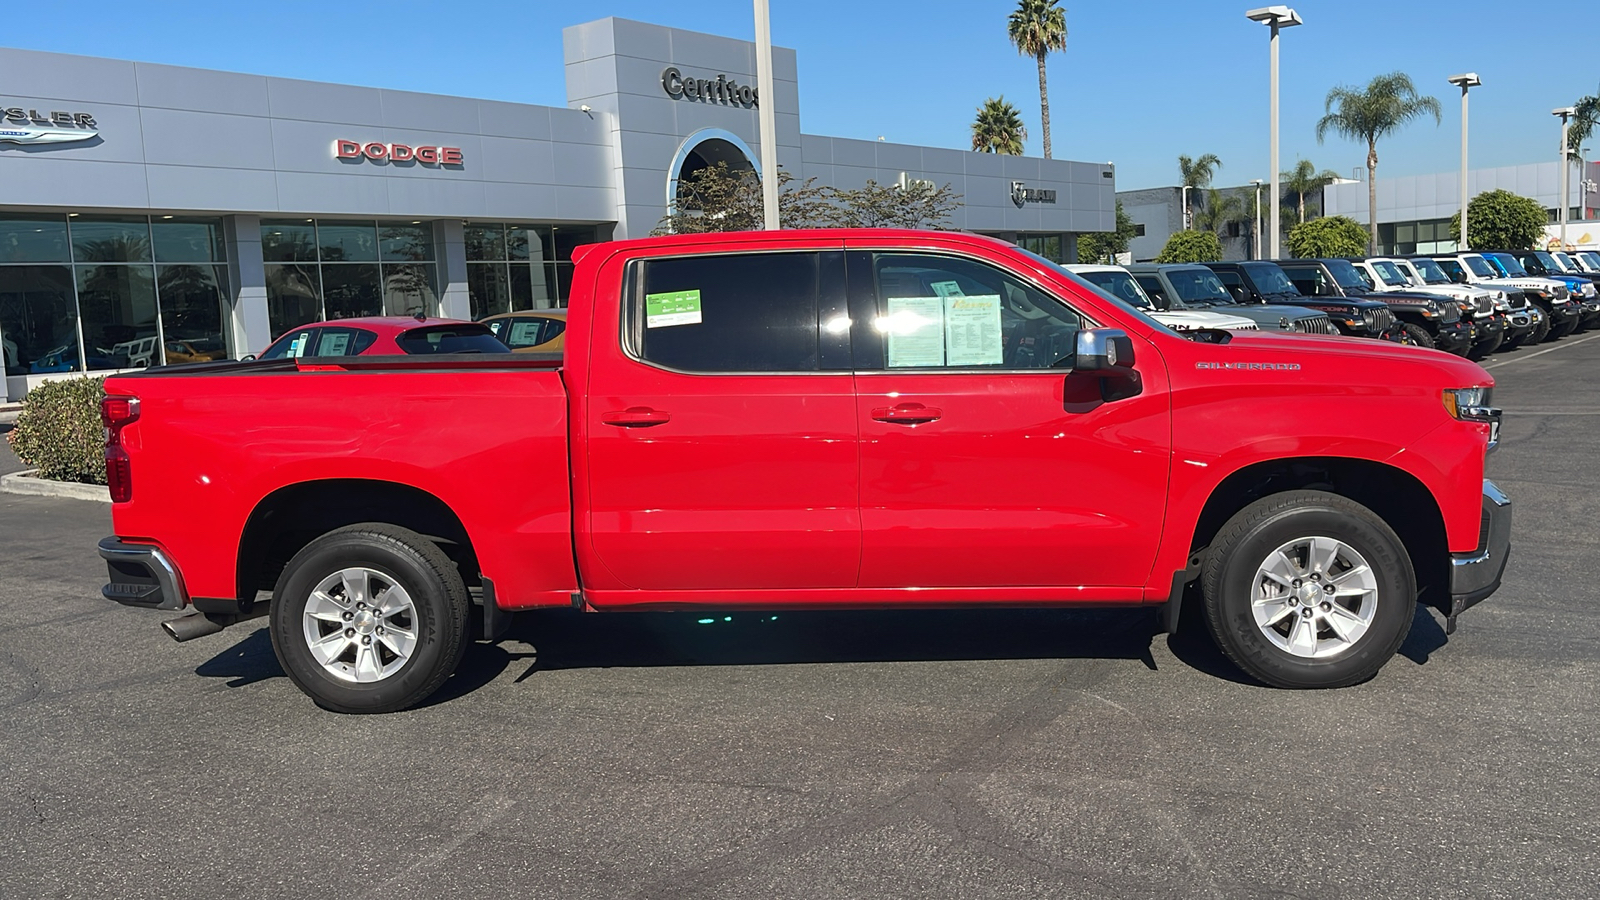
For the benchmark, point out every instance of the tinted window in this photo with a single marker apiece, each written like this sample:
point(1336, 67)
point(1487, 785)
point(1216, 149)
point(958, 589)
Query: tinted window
point(1508, 263)
point(451, 339)
point(1346, 274)
point(1269, 279)
point(1430, 271)
point(1120, 285)
point(308, 342)
point(1306, 280)
point(940, 311)
point(1479, 267)
point(1452, 268)
point(1198, 286)
point(737, 313)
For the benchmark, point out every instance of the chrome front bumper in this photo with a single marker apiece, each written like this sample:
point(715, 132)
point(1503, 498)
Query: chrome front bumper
point(141, 575)
point(1476, 574)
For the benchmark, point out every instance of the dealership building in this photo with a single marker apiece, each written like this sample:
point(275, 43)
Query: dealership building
point(158, 214)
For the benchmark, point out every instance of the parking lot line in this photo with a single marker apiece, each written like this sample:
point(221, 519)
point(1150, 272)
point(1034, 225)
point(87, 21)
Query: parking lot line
point(1506, 362)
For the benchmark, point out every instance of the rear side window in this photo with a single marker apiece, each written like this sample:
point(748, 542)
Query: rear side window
point(451, 339)
point(738, 313)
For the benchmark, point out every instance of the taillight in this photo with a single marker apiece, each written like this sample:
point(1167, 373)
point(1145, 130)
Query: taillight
point(117, 413)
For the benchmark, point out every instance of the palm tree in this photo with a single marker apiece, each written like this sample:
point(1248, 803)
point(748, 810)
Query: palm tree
point(1197, 173)
point(1218, 211)
point(1378, 110)
point(998, 128)
point(1036, 27)
point(1585, 118)
point(1304, 179)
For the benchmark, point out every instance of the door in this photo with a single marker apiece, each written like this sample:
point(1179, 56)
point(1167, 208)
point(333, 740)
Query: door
point(721, 433)
point(984, 463)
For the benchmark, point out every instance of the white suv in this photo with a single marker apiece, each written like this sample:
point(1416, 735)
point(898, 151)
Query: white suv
point(1116, 281)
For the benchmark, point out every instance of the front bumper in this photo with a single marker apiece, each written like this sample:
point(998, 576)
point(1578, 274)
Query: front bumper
point(142, 576)
point(1476, 574)
point(1488, 328)
point(1454, 337)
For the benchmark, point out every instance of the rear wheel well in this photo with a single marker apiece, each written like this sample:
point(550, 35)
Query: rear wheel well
point(1395, 495)
point(292, 517)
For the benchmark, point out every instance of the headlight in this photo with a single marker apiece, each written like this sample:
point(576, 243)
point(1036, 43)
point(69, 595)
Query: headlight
point(1471, 404)
point(1283, 322)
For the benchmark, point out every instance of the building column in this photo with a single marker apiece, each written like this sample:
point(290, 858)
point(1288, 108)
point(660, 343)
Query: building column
point(249, 327)
point(450, 243)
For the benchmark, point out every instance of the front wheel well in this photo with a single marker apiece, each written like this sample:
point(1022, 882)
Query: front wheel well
point(291, 517)
point(1395, 495)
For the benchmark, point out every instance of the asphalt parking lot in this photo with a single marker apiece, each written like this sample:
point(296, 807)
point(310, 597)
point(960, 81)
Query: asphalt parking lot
point(960, 754)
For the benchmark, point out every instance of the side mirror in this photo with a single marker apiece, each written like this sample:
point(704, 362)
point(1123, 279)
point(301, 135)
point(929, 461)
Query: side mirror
point(247, 357)
point(1237, 292)
point(1161, 301)
point(1107, 350)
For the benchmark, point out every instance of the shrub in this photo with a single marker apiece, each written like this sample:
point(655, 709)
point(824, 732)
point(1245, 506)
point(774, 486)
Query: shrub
point(1191, 247)
point(1328, 237)
point(59, 431)
point(1501, 220)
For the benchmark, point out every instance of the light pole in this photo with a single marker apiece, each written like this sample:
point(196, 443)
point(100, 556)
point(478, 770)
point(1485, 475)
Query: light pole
point(1276, 17)
point(1258, 183)
point(1584, 184)
point(1186, 207)
point(767, 117)
point(1565, 112)
point(1464, 81)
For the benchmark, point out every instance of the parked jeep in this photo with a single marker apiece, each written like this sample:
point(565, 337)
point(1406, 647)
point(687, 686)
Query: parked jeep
point(1426, 320)
point(1508, 303)
point(1488, 329)
point(1260, 281)
point(1116, 281)
point(1197, 287)
point(1581, 284)
point(1549, 294)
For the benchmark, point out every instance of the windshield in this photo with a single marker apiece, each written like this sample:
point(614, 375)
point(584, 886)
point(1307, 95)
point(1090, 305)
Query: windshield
point(1198, 287)
point(1270, 279)
point(1548, 260)
point(1567, 265)
point(1479, 267)
point(1079, 279)
point(1119, 285)
point(1592, 258)
point(1509, 263)
point(1389, 272)
point(1346, 275)
point(1430, 271)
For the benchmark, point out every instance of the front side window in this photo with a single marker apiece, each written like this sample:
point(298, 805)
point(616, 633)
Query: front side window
point(1346, 275)
point(1269, 279)
point(1480, 267)
point(754, 312)
point(1430, 271)
point(949, 312)
point(1199, 286)
point(321, 341)
point(1452, 269)
point(1546, 260)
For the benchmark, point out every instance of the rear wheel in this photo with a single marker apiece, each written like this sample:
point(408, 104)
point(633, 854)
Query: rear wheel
point(1415, 335)
point(370, 618)
point(1307, 589)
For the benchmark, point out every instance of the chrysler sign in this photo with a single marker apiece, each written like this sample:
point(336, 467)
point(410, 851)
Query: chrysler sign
point(19, 126)
point(397, 153)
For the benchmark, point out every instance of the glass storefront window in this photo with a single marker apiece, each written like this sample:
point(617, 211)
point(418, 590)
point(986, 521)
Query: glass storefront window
point(513, 267)
point(347, 241)
point(409, 290)
point(117, 313)
point(349, 291)
point(406, 243)
point(288, 241)
point(294, 295)
point(105, 307)
point(38, 318)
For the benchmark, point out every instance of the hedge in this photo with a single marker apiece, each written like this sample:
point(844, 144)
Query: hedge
point(59, 431)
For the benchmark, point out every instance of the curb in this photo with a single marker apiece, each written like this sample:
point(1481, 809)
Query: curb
point(26, 483)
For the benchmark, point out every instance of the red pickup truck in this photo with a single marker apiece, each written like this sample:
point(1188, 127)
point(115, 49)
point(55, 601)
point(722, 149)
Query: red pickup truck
point(805, 420)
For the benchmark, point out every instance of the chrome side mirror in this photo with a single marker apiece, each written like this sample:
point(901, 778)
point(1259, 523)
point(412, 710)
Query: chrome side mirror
point(1108, 350)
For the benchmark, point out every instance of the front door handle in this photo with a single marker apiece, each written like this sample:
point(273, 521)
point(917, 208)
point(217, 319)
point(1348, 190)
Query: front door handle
point(907, 414)
point(635, 417)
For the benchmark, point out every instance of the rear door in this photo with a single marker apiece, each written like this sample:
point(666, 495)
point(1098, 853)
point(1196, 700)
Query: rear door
point(722, 444)
point(983, 463)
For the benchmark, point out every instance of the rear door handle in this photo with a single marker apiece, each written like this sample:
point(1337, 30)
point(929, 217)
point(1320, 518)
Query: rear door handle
point(907, 414)
point(635, 417)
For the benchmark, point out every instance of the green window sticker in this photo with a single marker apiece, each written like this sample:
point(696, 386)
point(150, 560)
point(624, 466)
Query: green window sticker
point(672, 308)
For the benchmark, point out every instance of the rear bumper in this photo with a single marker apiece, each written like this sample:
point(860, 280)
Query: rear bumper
point(141, 575)
point(1476, 574)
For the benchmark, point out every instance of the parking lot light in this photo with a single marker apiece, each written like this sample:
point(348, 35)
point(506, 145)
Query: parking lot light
point(1565, 112)
point(1275, 17)
point(1464, 81)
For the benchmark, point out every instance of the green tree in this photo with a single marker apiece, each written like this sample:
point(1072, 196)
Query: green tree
point(1366, 114)
point(1191, 246)
point(1037, 27)
point(1328, 237)
point(917, 205)
point(1501, 220)
point(717, 198)
point(998, 128)
point(1584, 120)
point(1304, 179)
point(1218, 211)
point(1197, 173)
point(1103, 246)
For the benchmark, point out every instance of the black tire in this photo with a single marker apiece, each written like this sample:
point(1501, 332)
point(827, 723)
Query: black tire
point(1512, 343)
point(1253, 535)
point(1540, 331)
point(1479, 351)
point(408, 559)
point(1416, 336)
point(1557, 332)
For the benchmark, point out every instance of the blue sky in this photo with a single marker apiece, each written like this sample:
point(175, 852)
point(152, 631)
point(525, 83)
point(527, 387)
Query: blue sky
point(1136, 89)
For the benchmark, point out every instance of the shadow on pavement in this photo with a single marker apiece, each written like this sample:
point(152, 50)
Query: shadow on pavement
point(247, 662)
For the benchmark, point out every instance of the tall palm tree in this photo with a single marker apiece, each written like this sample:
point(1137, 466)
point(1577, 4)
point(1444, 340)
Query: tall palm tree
point(1036, 27)
point(1586, 117)
point(1197, 173)
point(998, 128)
point(1366, 114)
point(1304, 179)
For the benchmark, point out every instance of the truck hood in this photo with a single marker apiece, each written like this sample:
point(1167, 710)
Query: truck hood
point(1190, 319)
point(1275, 347)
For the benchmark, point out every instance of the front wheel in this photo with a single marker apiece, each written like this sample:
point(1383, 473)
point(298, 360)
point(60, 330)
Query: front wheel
point(369, 618)
point(1416, 336)
point(1307, 589)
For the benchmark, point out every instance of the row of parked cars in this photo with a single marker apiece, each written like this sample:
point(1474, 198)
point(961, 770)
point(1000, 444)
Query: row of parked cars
point(1467, 303)
point(534, 330)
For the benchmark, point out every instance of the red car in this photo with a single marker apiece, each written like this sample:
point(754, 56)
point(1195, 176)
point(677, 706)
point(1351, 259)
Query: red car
point(808, 420)
point(384, 336)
